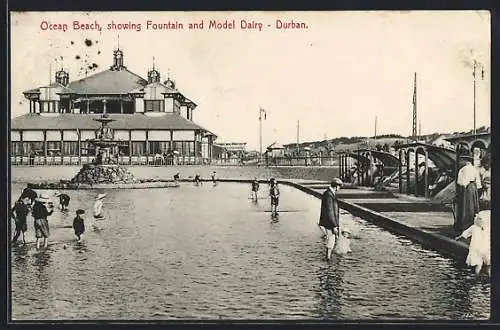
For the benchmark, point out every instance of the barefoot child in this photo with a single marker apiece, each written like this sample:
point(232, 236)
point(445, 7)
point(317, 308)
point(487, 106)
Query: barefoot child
point(98, 213)
point(343, 245)
point(255, 188)
point(274, 193)
point(63, 200)
point(479, 247)
point(78, 224)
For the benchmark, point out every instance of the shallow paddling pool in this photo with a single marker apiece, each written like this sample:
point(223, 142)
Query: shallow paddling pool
point(210, 252)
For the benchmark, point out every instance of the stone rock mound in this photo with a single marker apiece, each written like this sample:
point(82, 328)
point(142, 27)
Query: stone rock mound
point(95, 174)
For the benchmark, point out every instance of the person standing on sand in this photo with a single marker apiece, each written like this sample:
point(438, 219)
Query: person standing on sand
point(330, 214)
point(41, 210)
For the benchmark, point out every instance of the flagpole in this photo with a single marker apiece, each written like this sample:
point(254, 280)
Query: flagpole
point(260, 131)
point(474, 78)
point(298, 132)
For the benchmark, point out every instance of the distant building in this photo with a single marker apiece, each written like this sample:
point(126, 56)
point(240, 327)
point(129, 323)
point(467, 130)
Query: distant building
point(152, 119)
point(275, 150)
point(229, 150)
point(481, 140)
point(441, 141)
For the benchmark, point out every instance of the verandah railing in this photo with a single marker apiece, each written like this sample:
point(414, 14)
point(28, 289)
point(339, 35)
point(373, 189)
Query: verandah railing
point(122, 160)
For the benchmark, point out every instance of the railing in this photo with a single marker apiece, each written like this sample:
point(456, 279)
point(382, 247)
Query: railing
point(122, 160)
point(301, 161)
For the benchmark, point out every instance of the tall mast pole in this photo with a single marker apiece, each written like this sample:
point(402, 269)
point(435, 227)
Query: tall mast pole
point(298, 134)
point(414, 130)
point(474, 78)
point(375, 127)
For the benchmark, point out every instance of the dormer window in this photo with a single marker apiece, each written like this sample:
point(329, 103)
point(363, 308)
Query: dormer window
point(154, 105)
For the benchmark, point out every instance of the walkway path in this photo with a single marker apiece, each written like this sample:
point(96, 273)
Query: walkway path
point(425, 221)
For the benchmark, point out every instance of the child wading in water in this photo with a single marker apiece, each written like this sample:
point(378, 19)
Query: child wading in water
point(78, 224)
point(255, 188)
point(98, 214)
point(479, 247)
point(274, 192)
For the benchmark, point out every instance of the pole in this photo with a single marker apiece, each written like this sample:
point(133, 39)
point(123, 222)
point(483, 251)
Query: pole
point(298, 130)
point(260, 136)
point(474, 78)
point(414, 128)
point(375, 127)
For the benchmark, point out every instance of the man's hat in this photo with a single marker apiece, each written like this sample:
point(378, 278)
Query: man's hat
point(80, 211)
point(336, 182)
point(100, 196)
point(43, 199)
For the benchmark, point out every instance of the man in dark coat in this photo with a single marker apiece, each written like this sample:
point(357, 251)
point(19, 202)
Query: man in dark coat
point(329, 217)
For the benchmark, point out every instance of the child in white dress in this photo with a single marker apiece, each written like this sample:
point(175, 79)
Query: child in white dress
point(343, 244)
point(479, 247)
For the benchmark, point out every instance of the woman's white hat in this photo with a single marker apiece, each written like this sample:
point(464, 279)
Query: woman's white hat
point(57, 194)
point(100, 196)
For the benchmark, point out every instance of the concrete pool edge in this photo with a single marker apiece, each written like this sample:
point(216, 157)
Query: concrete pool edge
point(444, 245)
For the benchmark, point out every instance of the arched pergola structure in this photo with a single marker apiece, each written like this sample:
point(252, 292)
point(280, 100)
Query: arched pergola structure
point(480, 140)
point(443, 159)
point(365, 158)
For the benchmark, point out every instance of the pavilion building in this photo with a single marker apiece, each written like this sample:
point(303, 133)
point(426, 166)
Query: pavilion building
point(152, 119)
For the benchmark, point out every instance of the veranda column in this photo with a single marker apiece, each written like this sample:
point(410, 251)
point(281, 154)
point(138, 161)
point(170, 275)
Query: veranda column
point(416, 172)
point(408, 171)
point(62, 147)
point(426, 174)
point(400, 169)
point(129, 147)
point(147, 148)
point(79, 134)
point(44, 147)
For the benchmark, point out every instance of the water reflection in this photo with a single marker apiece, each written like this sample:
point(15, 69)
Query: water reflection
point(204, 252)
point(330, 289)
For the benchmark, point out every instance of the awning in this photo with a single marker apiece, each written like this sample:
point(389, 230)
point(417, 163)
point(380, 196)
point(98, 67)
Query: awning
point(125, 98)
point(443, 158)
point(386, 158)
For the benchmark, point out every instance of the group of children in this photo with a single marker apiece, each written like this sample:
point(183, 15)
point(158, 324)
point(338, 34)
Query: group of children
point(41, 207)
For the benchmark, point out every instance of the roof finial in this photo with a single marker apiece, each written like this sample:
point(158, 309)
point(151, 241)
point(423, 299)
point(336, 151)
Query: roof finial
point(168, 73)
point(153, 62)
point(118, 41)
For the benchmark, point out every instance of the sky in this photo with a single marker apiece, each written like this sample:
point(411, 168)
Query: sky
point(334, 77)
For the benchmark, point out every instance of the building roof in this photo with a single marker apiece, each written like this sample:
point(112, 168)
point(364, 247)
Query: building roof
point(61, 89)
point(69, 121)
point(467, 136)
point(275, 146)
point(108, 82)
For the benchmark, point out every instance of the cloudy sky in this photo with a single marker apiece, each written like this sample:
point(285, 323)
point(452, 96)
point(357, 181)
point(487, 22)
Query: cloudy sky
point(334, 77)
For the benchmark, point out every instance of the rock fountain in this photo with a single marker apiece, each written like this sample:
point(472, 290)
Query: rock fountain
point(104, 171)
point(105, 167)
